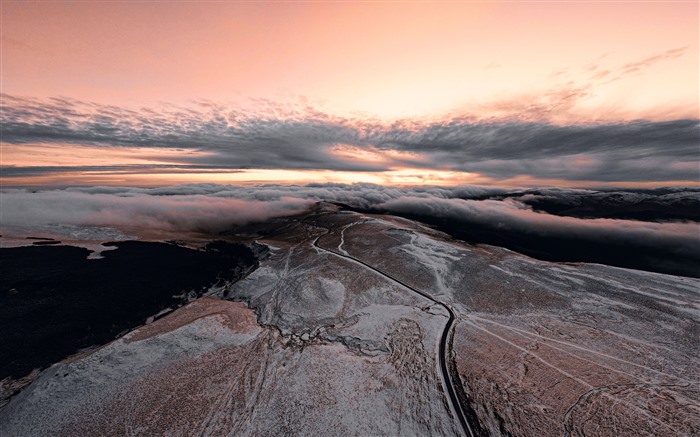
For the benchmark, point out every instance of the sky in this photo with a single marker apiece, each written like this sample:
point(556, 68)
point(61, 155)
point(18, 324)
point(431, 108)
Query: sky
point(516, 94)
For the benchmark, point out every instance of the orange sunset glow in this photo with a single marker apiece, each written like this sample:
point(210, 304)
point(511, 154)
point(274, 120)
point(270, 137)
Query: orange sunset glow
point(392, 93)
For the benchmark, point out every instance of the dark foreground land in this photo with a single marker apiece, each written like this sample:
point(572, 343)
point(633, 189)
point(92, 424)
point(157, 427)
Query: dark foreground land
point(54, 301)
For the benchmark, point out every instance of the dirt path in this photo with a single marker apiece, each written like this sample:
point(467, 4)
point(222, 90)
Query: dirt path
point(447, 379)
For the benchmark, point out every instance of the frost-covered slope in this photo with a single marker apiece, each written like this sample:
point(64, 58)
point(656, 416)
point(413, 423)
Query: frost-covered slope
point(338, 332)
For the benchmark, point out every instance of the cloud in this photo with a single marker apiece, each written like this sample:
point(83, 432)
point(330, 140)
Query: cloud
point(190, 204)
point(613, 151)
point(235, 139)
point(572, 91)
point(24, 171)
point(485, 214)
point(513, 216)
point(207, 208)
point(638, 66)
point(194, 207)
point(611, 74)
point(132, 210)
point(304, 139)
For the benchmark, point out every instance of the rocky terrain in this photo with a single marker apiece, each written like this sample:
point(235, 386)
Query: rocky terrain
point(359, 324)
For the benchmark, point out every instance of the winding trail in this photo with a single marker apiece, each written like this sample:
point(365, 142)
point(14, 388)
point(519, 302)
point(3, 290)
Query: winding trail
point(447, 379)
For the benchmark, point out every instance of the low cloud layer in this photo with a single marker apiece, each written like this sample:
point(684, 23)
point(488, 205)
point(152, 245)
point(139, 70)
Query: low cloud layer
point(213, 208)
point(514, 217)
point(197, 207)
point(134, 211)
point(304, 139)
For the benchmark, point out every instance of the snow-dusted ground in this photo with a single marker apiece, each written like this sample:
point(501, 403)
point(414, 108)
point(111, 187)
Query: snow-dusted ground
point(314, 343)
point(555, 349)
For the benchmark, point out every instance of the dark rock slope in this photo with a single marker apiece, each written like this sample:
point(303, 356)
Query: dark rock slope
point(54, 301)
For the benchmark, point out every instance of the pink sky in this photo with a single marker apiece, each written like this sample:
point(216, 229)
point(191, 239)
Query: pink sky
point(559, 62)
point(388, 59)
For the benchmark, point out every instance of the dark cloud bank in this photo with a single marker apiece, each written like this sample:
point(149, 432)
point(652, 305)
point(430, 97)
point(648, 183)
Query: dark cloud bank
point(302, 138)
point(582, 225)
